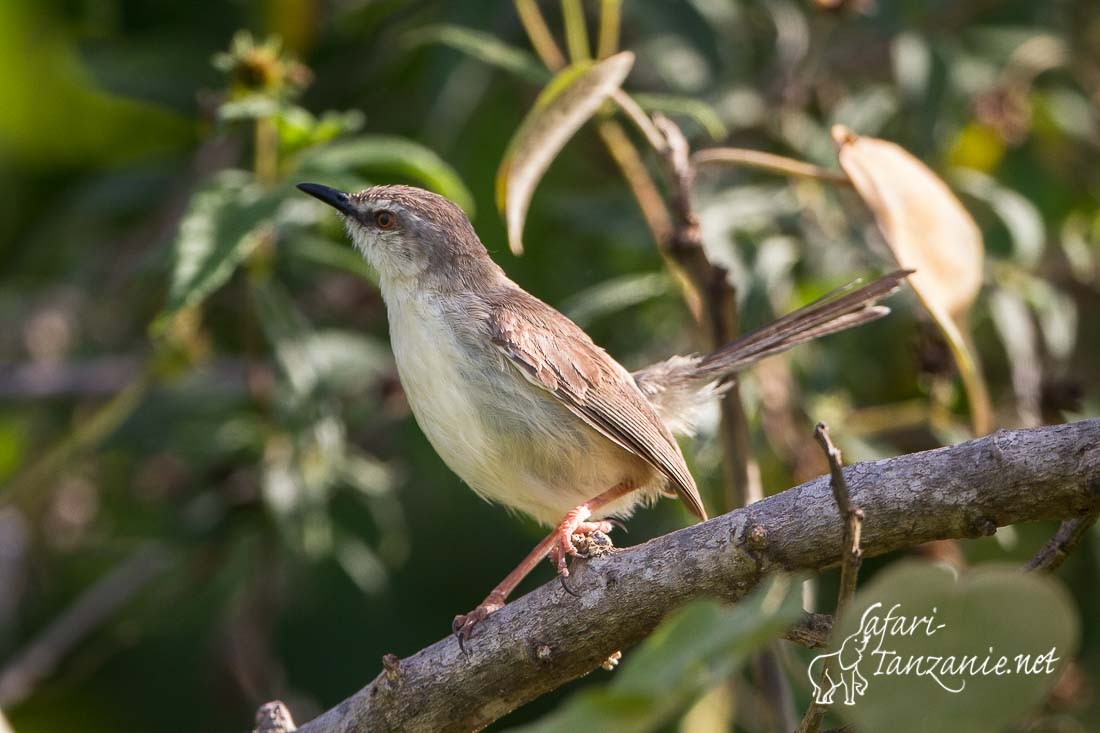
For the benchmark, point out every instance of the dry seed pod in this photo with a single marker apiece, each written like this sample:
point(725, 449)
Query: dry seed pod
point(924, 224)
point(929, 231)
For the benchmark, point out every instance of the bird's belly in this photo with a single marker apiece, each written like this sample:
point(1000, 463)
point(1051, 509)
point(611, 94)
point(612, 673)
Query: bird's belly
point(512, 442)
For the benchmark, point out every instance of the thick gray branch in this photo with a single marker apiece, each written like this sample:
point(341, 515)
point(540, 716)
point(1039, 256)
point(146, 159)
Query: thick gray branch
point(548, 637)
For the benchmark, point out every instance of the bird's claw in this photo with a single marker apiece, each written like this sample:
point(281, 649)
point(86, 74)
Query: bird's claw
point(463, 625)
point(566, 588)
point(588, 539)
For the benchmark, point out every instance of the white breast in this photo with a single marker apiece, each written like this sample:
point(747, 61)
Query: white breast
point(427, 355)
point(510, 441)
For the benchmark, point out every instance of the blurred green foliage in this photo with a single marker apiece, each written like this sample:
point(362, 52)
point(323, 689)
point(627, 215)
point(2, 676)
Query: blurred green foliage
point(195, 367)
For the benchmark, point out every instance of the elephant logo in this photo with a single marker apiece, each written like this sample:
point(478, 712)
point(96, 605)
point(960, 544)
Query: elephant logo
point(843, 672)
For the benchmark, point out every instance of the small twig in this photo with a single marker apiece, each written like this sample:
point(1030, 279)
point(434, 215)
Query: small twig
point(768, 162)
point(812, 631)
point(1070, 534)
point(850, 514)
point(273, 717)
point(630, 163)
point(851, 558)
point(103, 377)
point(88, 378)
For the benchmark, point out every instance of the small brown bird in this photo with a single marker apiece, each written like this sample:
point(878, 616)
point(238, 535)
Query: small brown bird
point(519, 401)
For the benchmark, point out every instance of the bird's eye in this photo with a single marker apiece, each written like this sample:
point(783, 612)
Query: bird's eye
point(385, 220)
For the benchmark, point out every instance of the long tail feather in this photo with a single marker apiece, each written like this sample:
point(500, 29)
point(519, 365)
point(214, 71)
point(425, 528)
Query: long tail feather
point(837, 311)
point(680, 386)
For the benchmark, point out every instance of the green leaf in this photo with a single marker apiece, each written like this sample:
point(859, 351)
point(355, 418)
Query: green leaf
point(361, 563)
point(226, 220)
point(1021, 217)
point(249, 107)
point(298, 128)
point(699, 111)
point(986, 612)
point(287, 330)
point(54, 114)
point(573, 96)
point(484, 47)
point(317, 362)
point(367, 474)
point(321, 251)
point(694, 648)
point(345, 360)
point(391, 154)
point(615, 295)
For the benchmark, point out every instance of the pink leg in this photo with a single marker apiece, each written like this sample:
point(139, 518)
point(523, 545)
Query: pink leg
point(558, 545)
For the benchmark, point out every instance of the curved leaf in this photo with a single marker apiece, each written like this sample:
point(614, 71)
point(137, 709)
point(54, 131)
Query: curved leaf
point(693, 649)
point(484, 47)
point(981, 613)
point(616, 294)
point(1020, 216)
point(564, 105)
point(392, 154)
point(225, 222)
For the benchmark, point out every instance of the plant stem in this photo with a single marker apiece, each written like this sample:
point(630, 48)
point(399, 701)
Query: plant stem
point(541, 38)
point(267, 151)
point(630, 164)
point(981, 410)
point(610, 21)
point(576, 32)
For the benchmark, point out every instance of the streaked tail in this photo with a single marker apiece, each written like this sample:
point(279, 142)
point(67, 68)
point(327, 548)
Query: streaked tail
point(678, 386)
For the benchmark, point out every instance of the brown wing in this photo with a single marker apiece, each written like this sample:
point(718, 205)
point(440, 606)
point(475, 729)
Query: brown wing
point(554, 353)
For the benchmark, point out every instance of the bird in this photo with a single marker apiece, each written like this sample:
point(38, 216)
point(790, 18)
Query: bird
point(520, 402)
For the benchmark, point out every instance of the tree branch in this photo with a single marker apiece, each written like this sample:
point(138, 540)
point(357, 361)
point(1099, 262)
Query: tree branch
point(548, 637)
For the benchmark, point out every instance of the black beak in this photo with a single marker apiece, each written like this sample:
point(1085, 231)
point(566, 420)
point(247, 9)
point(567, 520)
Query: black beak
point(336, 199)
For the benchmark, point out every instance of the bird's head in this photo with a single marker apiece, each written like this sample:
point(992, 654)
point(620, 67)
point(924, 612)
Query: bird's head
point(410, 236)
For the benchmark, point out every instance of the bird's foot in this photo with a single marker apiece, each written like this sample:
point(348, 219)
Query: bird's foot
point(464, 623)
point(577, 537)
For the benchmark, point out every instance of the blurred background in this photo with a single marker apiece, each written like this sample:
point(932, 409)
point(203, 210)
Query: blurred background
point(212, 492)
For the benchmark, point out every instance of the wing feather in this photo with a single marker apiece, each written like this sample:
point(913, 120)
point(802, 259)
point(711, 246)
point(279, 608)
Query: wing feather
point(556, 355)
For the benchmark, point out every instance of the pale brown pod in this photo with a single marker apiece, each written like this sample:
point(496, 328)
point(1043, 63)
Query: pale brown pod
point(928, 230)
